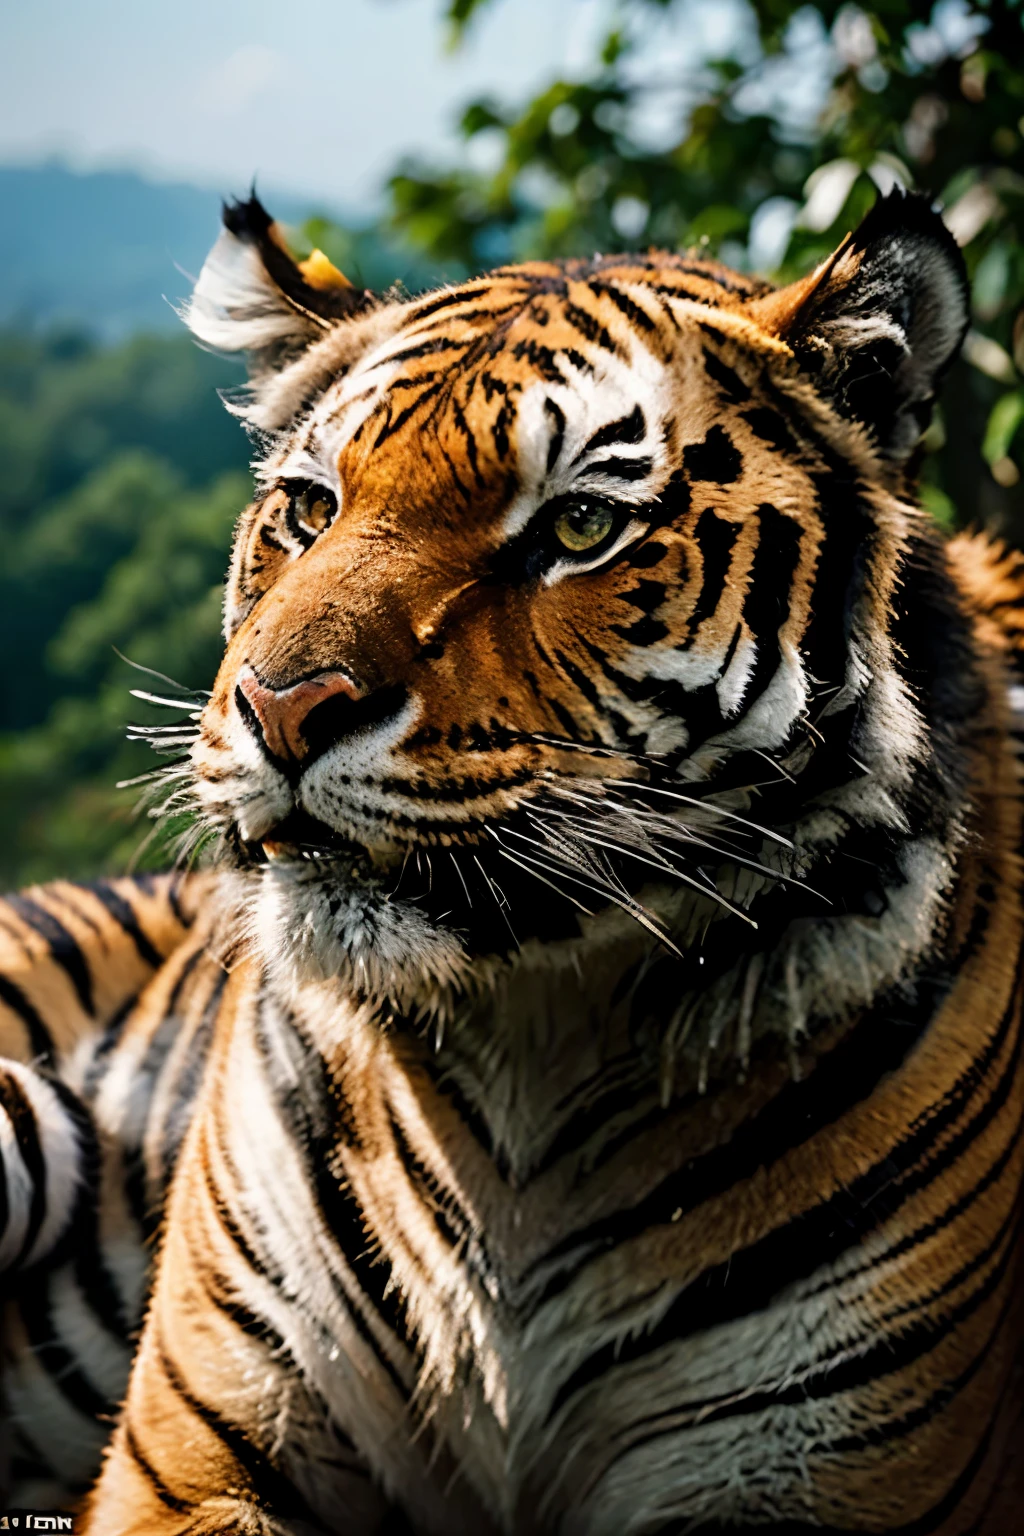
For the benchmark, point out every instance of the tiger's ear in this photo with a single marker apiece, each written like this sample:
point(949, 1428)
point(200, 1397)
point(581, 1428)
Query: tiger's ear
point(878, 324)
point(253, 296)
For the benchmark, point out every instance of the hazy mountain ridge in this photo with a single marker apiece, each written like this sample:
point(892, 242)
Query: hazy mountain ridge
point(113, 252)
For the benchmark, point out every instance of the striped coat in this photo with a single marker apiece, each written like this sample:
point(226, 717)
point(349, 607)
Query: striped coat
point(587, 1096)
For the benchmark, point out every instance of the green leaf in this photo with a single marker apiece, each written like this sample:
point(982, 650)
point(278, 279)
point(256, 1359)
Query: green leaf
point(1004, 419)
point(459, 14)
point(934, 500)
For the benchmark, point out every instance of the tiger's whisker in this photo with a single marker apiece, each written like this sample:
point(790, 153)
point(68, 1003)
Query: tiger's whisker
point(462, 878)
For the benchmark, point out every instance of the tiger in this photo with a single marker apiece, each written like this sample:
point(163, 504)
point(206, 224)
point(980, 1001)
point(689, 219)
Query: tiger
point(579, 1089)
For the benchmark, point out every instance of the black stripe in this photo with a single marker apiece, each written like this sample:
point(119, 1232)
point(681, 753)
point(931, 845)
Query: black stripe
point(727, 379)
point(628, 429)
point(715, 538)
point(145, 1466)
point(174, 886)
point(394, 424)
point(38, 1034)
point(22, 1116)
point(427, 348)
point(577, 360)
point(459, 417)
point(261, 1265)
point(268, 1485)
point(470, 1118)
point(719, 276)
point(222, 1295)
point(53, 1355)
point(121, 912)
point(81, 1241)
point(623, 302)
point(770, 426)
point(136, 1194)
point(766, 607)
point(558, 434)
point(451, 1221)
point(582, 680)
point(157, 1051)
point(464, 492)
point(929, 1229)
point(64, 947)
point(543, 359)
point(646, 631)
point(647, 595)
point(715, 458)
point(565, 718)
point(921, 1341)
point(489, 310)
point(621, 469)
point(589, 327)
point(104, 1047)
point(232, 1230)
point(447, 300)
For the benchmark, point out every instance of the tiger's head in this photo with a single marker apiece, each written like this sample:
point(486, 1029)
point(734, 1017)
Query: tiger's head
point(569, 601)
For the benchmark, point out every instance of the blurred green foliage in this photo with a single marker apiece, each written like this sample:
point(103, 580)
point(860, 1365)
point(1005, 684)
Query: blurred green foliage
point(760, 130)
point(124, 475)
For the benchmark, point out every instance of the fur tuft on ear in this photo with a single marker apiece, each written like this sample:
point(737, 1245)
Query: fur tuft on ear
point(253, 296)
point(879, 323)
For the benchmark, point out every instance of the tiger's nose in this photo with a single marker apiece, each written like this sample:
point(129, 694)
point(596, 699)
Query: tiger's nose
point(279, 716)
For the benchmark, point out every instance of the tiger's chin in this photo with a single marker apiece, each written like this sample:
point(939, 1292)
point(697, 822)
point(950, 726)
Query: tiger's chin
point(335, 920)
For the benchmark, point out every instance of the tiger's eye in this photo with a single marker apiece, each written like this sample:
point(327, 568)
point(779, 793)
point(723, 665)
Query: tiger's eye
point(582, 524)
point(315, 508)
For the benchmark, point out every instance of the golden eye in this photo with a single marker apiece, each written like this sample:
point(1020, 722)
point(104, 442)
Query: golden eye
point(582, 524)
point(315, 508)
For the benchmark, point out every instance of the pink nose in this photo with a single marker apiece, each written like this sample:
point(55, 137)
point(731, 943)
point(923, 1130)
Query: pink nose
point(282, 712)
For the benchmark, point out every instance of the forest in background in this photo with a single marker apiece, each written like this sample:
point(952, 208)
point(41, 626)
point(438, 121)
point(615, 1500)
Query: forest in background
point(762, 141)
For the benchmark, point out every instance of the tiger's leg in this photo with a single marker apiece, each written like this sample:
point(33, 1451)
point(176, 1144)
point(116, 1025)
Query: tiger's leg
point(238, 1415)
point(219, 1429)
point(193, 1453)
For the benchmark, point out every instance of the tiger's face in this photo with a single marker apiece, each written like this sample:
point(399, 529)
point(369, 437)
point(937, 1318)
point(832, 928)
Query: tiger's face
point(537, 563)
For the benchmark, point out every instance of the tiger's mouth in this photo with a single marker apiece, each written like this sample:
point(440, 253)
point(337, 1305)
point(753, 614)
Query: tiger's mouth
point(538, 873)
point(302, 838)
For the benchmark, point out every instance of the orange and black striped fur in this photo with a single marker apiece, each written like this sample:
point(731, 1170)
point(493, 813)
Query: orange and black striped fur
point(589, 1098)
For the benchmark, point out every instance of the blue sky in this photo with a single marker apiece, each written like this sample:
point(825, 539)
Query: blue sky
point(319, 97)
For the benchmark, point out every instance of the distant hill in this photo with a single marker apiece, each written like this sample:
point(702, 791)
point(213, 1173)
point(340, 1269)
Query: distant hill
point(103, 249)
